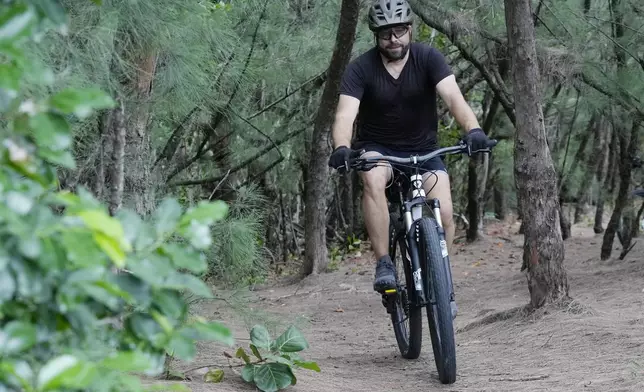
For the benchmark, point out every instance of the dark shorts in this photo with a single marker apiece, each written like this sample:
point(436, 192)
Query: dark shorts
point(433, 164)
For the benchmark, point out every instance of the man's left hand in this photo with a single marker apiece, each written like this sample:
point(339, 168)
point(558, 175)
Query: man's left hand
point(476, 140)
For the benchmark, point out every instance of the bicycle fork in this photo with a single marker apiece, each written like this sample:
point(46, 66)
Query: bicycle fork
point(412, 213)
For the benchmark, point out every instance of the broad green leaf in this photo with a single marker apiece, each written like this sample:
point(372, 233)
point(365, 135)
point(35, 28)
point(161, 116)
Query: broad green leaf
point(166, 217)
point(98, 2)
point(308, 365)
point(52, 10)
point(51, 130)
point(19, 202)
point(61, 158)
point(81, 102)
point(7, 286)
point(145, 327)
point(16, 374)
point(111, 247)
point(248, 373)
point(30, 247)
point(127, 361)
point(103, 296)
point(279, 359)
point(98, 220)
point(214, 376)
point(130, 383)
point(255, 351)
point(260, 337)
point(209, 331)
point(181, 347)
point(66, 371)
point(181, 281)
point(153, 269)
point(206, 213)
point(291, 340)
point(15, 21)
point(165, 387)
point(170, 303)
point(185, 257)
point(132, 226)
point(198, 234)
point(271, 377)
point(82, 250)
point(16, 336)
point(138, 289)
point(10, 76)
point(241, 353)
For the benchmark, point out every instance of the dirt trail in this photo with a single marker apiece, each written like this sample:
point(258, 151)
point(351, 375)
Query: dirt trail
point(595, 345)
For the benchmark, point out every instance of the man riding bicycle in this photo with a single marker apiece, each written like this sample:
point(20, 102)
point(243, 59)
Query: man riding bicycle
point(391, 90)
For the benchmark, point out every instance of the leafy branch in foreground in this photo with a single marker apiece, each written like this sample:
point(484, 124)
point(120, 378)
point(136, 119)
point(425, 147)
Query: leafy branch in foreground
point(70, 318)
point(271, 367)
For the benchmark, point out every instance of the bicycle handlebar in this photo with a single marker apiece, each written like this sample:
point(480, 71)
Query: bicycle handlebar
point(360, 163)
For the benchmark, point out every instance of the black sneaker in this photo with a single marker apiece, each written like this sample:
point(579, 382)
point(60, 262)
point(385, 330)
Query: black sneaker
point(385, 275)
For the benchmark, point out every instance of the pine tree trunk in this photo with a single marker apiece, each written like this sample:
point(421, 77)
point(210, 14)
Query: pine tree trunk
point(138, 150)
point(315, 212)
point(589, 168)
point(603, 178)
point(628, 148)
point(498, 189)
point(543, 251)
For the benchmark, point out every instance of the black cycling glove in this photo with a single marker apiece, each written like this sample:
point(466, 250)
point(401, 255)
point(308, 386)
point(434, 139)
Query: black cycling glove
point(339, 158)
point(476, 140)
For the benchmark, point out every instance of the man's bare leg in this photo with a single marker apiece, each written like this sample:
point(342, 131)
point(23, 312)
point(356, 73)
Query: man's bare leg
point(438, 182)
point(376, 217)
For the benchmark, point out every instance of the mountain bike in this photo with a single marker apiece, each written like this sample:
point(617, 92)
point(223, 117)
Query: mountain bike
point(420, 242)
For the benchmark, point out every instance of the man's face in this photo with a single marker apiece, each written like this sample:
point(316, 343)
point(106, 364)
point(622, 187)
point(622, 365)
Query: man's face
point(393, 42)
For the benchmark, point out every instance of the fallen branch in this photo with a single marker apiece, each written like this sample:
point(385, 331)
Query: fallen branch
point(532, 378)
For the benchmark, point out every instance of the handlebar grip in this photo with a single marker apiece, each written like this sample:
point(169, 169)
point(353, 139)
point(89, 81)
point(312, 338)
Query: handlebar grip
point(492, 142)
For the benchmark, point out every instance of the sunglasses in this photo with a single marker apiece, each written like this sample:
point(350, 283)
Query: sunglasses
point(397, 32)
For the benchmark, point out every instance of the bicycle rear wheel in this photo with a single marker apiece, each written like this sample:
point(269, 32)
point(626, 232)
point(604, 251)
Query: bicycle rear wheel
point(406, 319)
point(439, 313)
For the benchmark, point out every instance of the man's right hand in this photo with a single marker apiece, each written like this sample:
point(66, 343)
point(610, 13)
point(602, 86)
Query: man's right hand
point(339, 158)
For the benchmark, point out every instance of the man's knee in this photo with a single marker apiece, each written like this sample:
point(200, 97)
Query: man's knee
point(438, 185)
point(374, 181)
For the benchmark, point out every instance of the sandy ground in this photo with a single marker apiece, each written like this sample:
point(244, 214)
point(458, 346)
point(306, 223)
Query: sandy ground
point(596, 344)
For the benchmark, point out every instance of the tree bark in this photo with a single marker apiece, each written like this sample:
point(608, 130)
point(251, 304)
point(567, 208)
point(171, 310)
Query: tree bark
point(603, 180)
point(139, 187)
point(589, 170)
point(543, 250)
point(628, 148)
point(117, 167)
point(315, 197)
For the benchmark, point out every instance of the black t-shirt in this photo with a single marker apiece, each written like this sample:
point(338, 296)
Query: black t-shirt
point(398, 113)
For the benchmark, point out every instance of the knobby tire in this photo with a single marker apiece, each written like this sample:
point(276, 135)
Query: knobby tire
point(409, 339)
point(439, 312)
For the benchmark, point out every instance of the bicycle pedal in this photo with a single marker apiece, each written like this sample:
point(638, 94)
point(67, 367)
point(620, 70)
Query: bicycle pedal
point(391, 291)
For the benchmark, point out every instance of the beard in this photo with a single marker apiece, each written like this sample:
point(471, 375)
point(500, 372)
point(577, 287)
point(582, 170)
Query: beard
point(394, 52)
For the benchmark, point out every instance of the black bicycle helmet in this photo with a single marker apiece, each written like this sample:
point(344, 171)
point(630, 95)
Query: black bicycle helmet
point(383, 13)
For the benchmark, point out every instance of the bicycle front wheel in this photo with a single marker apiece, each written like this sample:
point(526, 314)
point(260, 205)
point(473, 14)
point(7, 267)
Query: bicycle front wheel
point(406, 319)
point(439, 312)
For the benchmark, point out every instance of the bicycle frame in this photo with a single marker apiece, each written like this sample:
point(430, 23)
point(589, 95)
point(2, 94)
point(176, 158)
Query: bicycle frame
point(411, 211)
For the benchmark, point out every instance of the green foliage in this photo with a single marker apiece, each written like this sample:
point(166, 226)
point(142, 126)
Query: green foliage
point(86, 298)
point(271, 369)
point(237, 256)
